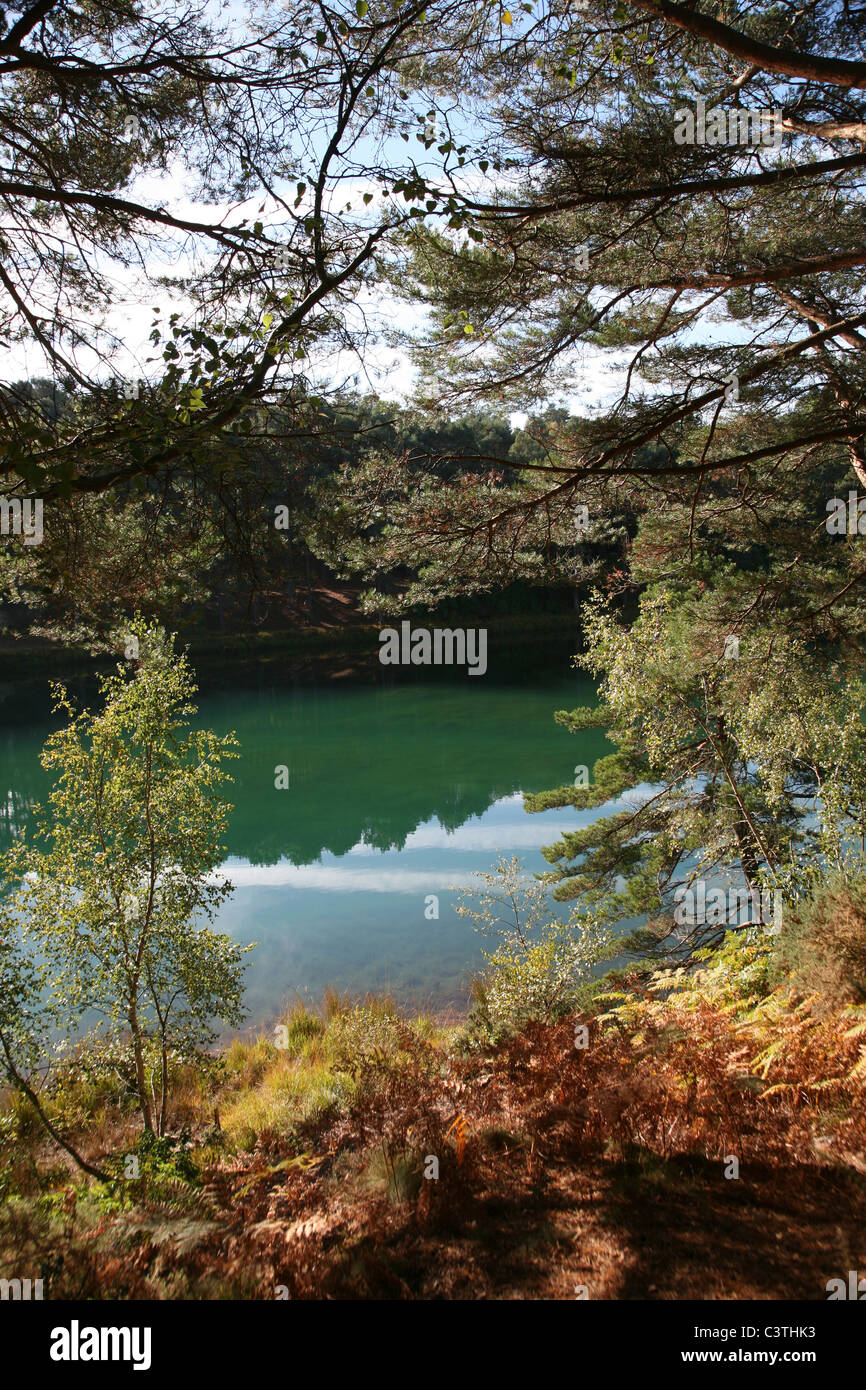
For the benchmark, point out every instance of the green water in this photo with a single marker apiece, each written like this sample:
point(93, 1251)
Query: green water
point(401, 785)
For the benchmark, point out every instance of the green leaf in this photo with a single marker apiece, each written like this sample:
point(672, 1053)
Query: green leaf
point(361, 8)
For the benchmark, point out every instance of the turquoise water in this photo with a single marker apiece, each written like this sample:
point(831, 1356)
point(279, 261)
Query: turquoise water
point(399, 789)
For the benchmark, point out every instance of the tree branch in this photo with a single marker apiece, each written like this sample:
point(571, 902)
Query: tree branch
point(788, 62)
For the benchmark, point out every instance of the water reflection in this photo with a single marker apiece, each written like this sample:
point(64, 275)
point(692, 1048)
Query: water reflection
point(397, 789)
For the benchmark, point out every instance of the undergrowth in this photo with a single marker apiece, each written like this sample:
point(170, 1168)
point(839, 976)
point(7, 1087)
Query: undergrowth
point(293, 1156)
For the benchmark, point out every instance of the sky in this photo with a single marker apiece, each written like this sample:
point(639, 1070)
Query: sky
point(385, 370)
point(598, 376)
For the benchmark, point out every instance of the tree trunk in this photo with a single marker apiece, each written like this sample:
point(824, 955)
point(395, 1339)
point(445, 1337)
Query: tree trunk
point(309, 586)
point(163, 1093)
point(141, 1084)
point(31, 1095)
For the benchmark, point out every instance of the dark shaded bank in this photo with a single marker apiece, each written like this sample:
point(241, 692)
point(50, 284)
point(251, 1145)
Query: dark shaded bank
point(545, 640)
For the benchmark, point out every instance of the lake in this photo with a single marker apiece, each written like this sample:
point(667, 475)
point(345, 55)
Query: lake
point(402, 783)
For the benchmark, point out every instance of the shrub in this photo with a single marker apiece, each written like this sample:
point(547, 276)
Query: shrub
point(540, 979)
point(541, 968)
point(368, 1034)
point(822, 948)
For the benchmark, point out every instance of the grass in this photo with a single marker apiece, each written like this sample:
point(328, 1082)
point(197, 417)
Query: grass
point(293, 1092)
point(280, 1087)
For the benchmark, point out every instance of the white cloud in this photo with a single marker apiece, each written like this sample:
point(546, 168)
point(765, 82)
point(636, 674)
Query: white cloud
point(337, 878)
